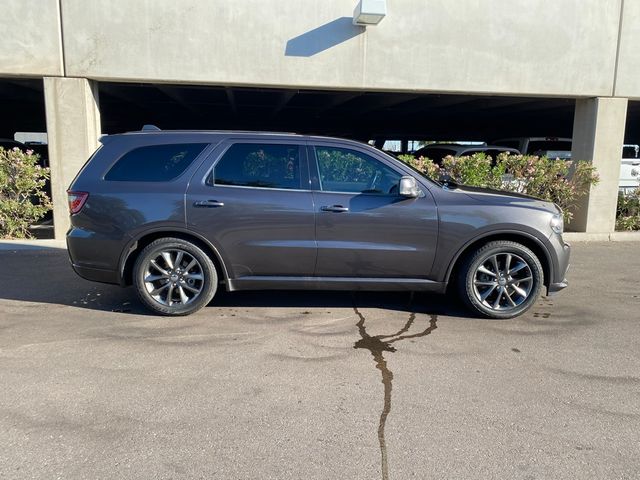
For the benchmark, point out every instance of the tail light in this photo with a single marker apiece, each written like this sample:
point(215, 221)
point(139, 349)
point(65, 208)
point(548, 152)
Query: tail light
point(76, 201)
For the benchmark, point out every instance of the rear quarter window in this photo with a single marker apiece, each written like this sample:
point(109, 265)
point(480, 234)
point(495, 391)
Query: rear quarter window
point(155, 163)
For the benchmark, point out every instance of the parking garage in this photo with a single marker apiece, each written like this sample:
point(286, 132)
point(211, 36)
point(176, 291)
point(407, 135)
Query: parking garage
point(357, 114)
point(362, 115)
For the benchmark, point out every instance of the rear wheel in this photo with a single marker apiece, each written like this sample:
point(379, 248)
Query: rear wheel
point(502, 279)
point(174, 277)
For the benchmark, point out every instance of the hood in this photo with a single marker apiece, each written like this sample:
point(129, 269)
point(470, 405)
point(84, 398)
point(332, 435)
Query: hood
point(499, 197)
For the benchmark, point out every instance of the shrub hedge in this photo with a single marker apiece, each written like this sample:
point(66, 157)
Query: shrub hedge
point(22, 199)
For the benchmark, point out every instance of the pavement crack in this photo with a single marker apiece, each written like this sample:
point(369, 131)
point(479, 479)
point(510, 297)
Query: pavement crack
point(377, 345)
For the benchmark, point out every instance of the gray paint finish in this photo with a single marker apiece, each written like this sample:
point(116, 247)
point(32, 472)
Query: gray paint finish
point(277, 238)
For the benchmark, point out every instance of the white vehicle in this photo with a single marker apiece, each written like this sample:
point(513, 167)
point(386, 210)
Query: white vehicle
point(630, 168)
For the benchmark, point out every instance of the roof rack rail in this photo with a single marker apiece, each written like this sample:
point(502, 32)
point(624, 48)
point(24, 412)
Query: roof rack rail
point(150, 128)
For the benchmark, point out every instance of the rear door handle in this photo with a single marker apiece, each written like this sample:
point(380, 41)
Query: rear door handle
point(334, 208)
point(208, 204)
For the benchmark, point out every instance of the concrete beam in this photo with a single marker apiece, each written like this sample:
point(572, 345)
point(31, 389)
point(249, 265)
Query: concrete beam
point(73, 128)
point(31, 38)
point(598, 135)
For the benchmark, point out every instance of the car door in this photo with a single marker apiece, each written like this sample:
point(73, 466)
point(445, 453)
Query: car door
point(251, 199)
point(364, 228)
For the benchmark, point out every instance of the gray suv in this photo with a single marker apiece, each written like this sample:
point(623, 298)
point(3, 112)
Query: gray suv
point(179, 214)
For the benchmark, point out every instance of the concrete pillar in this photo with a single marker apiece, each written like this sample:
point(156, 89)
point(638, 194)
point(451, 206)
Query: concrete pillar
point(598, 135)
point(73, 128)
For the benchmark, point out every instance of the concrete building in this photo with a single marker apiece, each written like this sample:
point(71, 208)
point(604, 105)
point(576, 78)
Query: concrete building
point(437, 68)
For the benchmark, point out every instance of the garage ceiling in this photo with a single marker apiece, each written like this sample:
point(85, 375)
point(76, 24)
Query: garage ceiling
point(355, 114)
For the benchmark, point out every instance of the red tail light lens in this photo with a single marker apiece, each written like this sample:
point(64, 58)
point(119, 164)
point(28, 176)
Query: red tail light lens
point(76, 201)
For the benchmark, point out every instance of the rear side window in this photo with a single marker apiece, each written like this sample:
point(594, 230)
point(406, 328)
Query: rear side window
point(155, 163)
point(259, 165)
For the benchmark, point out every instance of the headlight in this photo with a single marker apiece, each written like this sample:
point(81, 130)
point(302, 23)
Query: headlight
point(557, 223)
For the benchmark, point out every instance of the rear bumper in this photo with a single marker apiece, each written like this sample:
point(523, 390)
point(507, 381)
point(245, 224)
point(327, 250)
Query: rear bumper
point(94, 257)
point(96, 274)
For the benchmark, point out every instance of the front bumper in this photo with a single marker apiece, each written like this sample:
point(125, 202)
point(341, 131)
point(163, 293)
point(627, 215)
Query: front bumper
point(556, 287)
point(562, 253)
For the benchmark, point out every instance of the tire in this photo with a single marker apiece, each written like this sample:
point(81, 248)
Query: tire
point(174, 277)
point(502, 279)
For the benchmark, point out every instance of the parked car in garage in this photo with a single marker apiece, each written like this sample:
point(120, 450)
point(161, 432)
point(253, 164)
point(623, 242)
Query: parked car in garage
point(178, 214)
point(553, 154)
point(438, 151)
point(535, 145)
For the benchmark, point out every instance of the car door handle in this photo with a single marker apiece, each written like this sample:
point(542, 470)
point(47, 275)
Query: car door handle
point(208, 204)
point(334, 208)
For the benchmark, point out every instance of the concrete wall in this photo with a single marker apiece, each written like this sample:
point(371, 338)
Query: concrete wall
point(523, 47)
point(626, 81)
point(31, 42)
point(499, 46)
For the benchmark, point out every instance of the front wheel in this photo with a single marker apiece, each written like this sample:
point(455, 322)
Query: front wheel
point(502, 279)
point(174, 277)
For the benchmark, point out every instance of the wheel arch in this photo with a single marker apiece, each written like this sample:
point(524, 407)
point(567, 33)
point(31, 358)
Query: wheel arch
point(136, 245)
point(531, 242)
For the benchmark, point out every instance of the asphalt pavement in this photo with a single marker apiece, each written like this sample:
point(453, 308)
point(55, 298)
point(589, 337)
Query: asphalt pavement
point(318, 385)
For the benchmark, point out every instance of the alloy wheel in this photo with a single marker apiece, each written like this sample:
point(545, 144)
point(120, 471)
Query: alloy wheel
point(503, 282)
point(173, 277)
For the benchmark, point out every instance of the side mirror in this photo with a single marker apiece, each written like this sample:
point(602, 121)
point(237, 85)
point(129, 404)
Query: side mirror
point(408, 187)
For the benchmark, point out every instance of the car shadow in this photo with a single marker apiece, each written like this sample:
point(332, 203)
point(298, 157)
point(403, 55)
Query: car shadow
point(45, 276)
point(407, 302)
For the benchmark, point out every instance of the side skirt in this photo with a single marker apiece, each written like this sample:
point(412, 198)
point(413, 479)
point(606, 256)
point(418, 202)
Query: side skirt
point(334, 283)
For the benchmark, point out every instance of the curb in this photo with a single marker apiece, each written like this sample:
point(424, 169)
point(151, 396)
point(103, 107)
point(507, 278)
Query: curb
point(14, 245)
point(602, 237)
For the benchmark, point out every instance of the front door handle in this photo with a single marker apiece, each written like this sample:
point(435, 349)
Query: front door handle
point(208, 204)
point(334, 208)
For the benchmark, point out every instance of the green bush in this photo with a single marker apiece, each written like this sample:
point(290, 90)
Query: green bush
point(422, 164)
point(22, 200)
point(475, 170)
point(628, 213)
point(557, 181)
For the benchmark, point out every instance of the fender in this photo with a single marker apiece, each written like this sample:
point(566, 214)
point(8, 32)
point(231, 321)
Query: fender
point(133, 244)
point(492, 233)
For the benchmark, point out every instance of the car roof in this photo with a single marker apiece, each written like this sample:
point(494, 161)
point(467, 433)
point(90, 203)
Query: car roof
point(535, 139)
point(465, 148)
point(225, 133)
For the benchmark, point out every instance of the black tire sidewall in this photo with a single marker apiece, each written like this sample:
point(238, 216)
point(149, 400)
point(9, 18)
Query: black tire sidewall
point(208, 269)
point(467, 290)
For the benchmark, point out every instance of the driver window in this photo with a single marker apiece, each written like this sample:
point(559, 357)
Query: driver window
point(350, 171)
